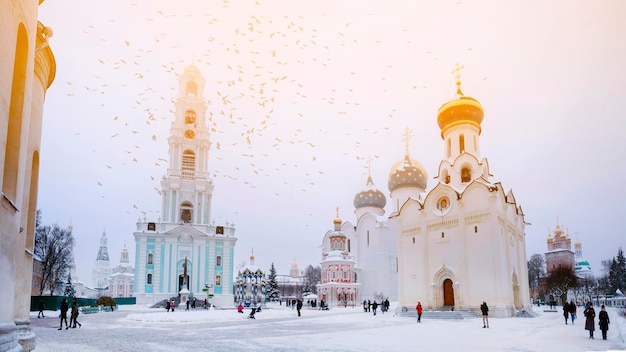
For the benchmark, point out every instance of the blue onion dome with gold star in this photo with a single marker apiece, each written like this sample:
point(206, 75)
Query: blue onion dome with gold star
point(461, 110)
point(370, 196)
point(407, 173)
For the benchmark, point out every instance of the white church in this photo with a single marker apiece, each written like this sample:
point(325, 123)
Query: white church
point(454, 246)
point(186, 232)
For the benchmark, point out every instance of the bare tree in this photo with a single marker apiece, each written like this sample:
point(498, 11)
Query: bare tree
point(536, 270)
point(312, 277)
point(55, 248)
point(561, 280)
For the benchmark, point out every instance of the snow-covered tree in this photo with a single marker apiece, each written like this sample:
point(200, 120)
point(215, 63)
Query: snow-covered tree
point(69, 287)
point(617, 272)
point(272, 293)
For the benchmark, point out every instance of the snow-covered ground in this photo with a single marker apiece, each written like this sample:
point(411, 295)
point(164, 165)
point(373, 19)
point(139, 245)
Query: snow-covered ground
point(278, 328)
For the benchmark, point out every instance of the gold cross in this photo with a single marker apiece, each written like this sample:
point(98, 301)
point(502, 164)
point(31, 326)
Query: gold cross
point(457, 73)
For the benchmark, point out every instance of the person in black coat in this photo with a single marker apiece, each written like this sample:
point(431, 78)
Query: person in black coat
point(299, 306)
point(604, 322)
point(63, 315)
point(41, 307)
point(485, 310)
point(590, 314)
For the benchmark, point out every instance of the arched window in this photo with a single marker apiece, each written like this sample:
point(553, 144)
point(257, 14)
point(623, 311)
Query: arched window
point(466, 174)
point(16, 111)
point(461, 144)
point(189, 165)
point(218, 280)
point(218, 260)
point(149, 279)
point(190, 117)
point(192, 88)
point(185, 212)
point(150, 258)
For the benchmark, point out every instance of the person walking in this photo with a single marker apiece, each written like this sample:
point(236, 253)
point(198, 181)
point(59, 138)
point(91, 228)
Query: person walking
point(167, 306)
point(485, 310)
point(572, 310)
point(590, 314)
point(364, 306)
point(418, 308)
point(374, 306)
point(240, 308)
point(41, 307)
point(74, 315)
point(299, 306)
point(604, 321)
point(565, 311)
point(63, 315)
point(187, 305)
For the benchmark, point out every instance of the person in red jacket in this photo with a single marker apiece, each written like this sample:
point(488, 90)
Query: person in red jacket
point(418, 308)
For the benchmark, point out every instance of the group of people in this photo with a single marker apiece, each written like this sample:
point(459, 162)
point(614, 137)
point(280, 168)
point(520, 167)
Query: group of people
point(603, 320)
point(73, 314)
point(373, 306)
point(569, 310)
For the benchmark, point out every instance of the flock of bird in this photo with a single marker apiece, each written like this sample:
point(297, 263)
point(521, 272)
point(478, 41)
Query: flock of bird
point(286, 100)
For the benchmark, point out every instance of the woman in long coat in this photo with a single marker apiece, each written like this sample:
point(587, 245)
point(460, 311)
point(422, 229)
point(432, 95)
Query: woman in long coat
point(590, 314)
point(604, 322)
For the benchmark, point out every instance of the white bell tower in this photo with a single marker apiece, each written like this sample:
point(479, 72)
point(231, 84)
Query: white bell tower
point(187, 189)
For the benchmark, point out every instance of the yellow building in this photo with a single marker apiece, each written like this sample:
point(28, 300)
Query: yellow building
point(27, 69)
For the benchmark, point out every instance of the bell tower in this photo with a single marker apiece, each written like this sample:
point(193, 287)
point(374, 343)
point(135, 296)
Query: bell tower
point(187, 189)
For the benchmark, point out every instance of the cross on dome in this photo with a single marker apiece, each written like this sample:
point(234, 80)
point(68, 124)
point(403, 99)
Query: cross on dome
point(457, 73)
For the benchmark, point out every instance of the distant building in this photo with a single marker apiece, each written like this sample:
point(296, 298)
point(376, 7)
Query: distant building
point(37, 276)
point(338, 283)
point(27, 69)
point(250, 285)
point(102, 268)
point(291, 286)
point(582, 267)
point(559, 250)
point(186, 232)
point(122, 278)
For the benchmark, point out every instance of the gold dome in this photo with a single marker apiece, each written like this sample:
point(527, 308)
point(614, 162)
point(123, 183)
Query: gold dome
point(337, 220)
point(460, 111)
point(463, 110)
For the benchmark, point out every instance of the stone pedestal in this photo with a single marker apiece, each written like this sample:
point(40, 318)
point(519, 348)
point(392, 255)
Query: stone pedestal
point(25, 336)
point(184, 296)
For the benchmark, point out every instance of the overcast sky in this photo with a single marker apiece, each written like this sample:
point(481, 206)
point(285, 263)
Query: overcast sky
point(302, 93)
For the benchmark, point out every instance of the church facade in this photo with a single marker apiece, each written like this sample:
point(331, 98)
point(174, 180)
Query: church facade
point(454, 246)
point(185, 233)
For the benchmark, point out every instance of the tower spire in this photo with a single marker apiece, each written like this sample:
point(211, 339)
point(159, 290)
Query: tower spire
point(406, 138)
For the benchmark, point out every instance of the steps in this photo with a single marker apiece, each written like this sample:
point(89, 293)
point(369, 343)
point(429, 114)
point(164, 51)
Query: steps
point(440, 314)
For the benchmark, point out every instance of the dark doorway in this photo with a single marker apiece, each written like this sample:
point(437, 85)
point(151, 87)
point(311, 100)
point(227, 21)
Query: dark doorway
point(448, 293)
point(181, 282)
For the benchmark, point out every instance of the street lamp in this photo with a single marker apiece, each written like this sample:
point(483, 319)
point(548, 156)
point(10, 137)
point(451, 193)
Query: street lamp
point(208, 287)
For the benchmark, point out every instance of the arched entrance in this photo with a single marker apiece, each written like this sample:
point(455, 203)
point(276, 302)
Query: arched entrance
point(448, 293)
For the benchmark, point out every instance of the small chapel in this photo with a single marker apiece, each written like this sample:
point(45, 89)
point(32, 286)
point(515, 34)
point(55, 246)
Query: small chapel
point(452, 247)
point(185, 250)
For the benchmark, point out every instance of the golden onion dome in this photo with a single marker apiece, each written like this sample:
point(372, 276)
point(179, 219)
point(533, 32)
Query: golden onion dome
point(407, 173)
point(370, 196)
point(463, 110)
